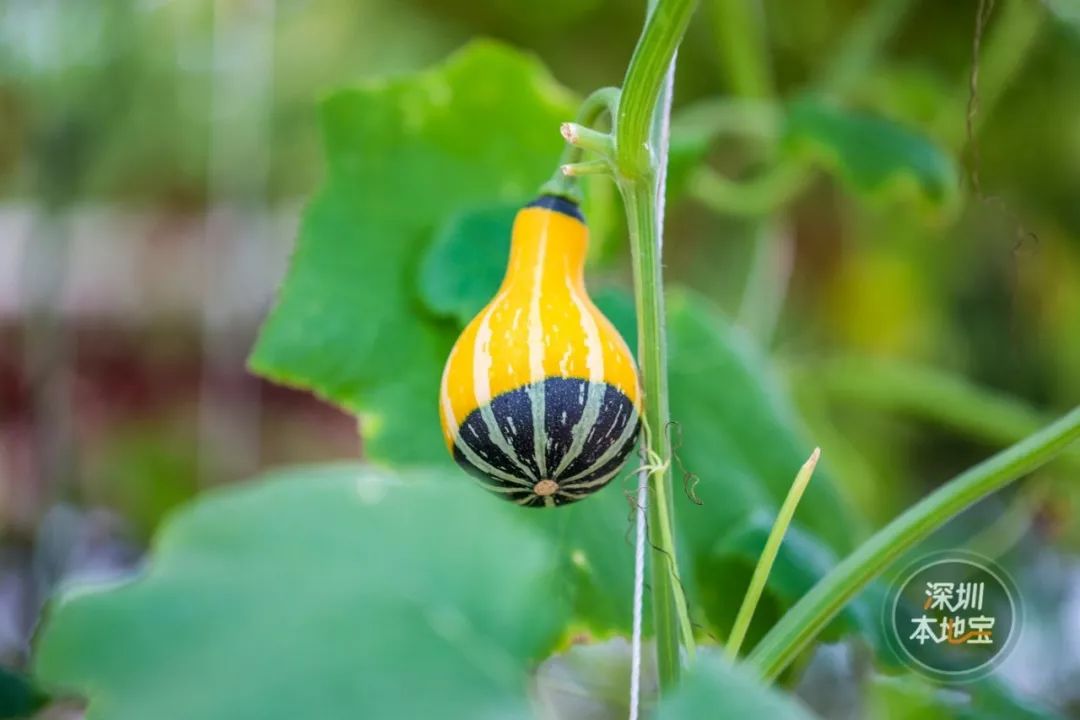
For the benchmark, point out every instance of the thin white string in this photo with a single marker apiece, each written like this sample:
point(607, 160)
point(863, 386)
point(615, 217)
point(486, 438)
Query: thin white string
point(639, 591)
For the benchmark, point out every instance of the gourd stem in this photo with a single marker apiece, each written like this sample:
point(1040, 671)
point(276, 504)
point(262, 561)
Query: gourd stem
point(599, 102)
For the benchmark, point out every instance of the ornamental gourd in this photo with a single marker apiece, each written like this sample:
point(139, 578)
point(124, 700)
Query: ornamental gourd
point(540, 398)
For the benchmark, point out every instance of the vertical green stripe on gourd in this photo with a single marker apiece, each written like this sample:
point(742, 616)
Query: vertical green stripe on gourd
point(585, 424)
point(537, 395)
point(499, 438)
point(482, 465)
point(613, 450)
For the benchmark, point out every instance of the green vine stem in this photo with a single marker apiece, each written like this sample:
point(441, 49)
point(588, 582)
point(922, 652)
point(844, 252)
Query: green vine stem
point(801, 624)
point(752, 198)
point(636, 151)
point(643, 85)
point(668, 600)
point(640, 160)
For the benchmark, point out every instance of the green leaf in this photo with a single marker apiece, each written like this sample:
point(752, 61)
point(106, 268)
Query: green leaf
point(872, 155)
point(618, 306)
point(464, 265)
point(333, 592)
point(738, 431)
point(403, 156)
point(716, 689)
point(18, 697)
point(462, 269)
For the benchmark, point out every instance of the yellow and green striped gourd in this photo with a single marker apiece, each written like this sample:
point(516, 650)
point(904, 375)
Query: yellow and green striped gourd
point(540, 398)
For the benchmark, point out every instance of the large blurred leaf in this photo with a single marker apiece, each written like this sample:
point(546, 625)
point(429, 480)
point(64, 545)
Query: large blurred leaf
point(462, 269)
point(335, 592)
point(18, 698)
point(465, 263)
point(718, 690)
point(403, 156)
point(872, 155)
point(738, 431)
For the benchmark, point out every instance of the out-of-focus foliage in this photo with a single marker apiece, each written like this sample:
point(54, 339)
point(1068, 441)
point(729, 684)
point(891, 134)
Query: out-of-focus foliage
point(345, 324)
point(143, 473)
point(740, 434)
point(18, 698)
point(874, 156)
point(129, 84)
point(462, 269)
point(337, 592)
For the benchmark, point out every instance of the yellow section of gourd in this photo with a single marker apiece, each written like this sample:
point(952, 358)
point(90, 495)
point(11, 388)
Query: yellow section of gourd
point(546, 278)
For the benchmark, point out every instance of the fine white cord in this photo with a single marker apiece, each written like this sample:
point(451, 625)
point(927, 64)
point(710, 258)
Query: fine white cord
point(639, 591)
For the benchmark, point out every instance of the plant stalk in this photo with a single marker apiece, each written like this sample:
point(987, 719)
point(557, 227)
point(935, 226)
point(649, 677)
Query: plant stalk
point(670, 616)
point(644, 82)
point(801, 624)
point(641, 149)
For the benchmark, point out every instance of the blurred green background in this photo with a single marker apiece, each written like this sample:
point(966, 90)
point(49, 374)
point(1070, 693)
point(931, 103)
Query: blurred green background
point(155, 156)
